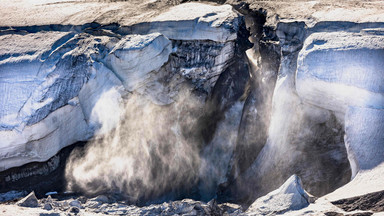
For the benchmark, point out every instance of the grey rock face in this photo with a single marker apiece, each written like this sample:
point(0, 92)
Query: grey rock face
point(202, 61)
point(290, 196)
point(264, 62)
point(291, 36)
point(29, 201)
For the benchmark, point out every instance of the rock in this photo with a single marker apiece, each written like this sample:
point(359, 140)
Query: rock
point(369, 202)
point(82, 199)
point(74, 209)
point(290, 196)
point(47, 206)
point(29, 201)
point(49, 199)
point(62, 205)
point(75, 203)
point(50, 214)
point(92, 204)
point(101, 199)
point(214, 209)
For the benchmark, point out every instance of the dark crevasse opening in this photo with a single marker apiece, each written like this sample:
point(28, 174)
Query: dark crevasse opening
point(41, 177)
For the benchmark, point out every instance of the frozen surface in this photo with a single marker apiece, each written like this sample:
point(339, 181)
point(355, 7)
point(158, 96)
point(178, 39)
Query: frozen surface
point(21, 71)
point(216, 156)
point(64, 80)
point(135, 56)
point(190, 21)
point(364, 139)
point(290, 196)
point(313, 12)
point(336, 70)
point(41, 141)
point(366, 181)
point(101, 100)
point(196, 21)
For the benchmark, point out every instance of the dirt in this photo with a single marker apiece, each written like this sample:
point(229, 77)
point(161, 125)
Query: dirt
point(372, 201)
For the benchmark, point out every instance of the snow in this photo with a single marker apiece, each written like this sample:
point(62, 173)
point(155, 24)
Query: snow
point(289, 196)
point(61, 85)
point(336, 70)
point(191, 21)
point(41, 141)
point(101, 100)
point(197, 21)
point(364, 139)
point(19, 70)
point(135, 56)
point(366, 181)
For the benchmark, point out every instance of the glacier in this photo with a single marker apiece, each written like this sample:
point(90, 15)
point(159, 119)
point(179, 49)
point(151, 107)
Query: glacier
point(208, 100)
point(57, 76)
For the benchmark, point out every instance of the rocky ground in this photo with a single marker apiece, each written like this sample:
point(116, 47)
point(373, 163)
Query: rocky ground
point(103, 205)
point(289, 199)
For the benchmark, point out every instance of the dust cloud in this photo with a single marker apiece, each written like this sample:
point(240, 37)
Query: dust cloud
point(152, 153)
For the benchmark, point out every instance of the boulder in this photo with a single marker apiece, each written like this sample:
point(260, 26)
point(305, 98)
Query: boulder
point(74, 210)
point(75, 203)
point(101, 199)
point(29, 201)
point(47, 206)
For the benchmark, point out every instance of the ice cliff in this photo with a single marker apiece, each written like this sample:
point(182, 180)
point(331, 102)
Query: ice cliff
point(197, 100)
point(62, 87)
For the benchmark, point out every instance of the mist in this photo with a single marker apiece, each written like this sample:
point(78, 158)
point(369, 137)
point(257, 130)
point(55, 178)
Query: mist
point(152, 152)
